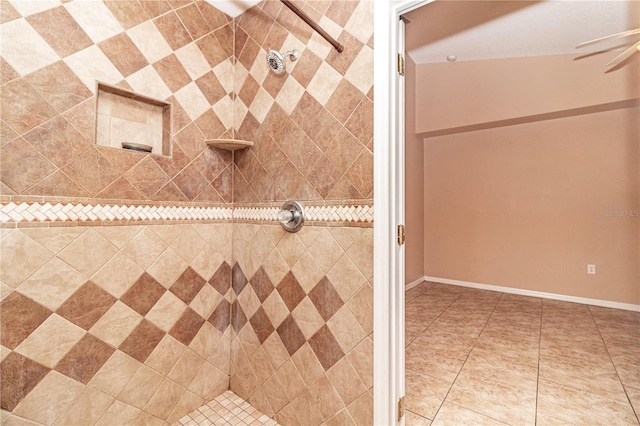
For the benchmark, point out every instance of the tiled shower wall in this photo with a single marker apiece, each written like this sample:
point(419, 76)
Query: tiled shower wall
point(52, 55)
point(300, 342)
point(303, 315)
point(113, 324)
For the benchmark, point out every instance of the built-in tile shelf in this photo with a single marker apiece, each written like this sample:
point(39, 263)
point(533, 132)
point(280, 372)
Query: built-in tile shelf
point(229, 144)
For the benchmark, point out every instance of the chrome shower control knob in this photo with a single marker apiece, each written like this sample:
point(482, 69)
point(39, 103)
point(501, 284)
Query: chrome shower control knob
point(291, 216)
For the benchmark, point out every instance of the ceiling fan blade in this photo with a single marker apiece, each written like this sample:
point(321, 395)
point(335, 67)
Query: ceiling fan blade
point(624, 55)
point(612, 36)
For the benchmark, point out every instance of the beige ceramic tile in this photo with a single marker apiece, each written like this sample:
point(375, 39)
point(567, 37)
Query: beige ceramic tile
point(452, 414)
point(188, 244)
point(51, 341)
point(116, 324)
point(119, 236)
point(307, 272)
point(20, 257)
point(117, 275)
point(276, 352)
point(141, 387)
point(325, 250)
point(275, 266)
point(346, 328)
point(167, 268)
point(346, 381)
point(88, 253)
point(119, 413)
point(206, 301)
point(307, 318)
point(261, 365)
point(166, 311)
point(249, 301)
point(361, 357)
point(308, 365)
point(167, 233)
point(54, 239)
point(507, 403)
point(52, 284)
point(207, 262)
point(580, 407)
point(424, 393)
point(275, 309)
point(413, 419)
point(290, 248)
point(87, 408)
point(206, 378)
point(186, 368)
point(361, 254)
point(345, 277)
point(212, 345)
point(145, 247)
point(634, 398)
point(165, 355)
point(163, 401)
point(115, 373)
point(24, 49)
point(49, 399)
point(187, 403)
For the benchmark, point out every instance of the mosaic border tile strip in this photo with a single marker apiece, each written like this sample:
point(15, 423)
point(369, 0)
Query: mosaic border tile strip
point(70, 212)
point(36, 212)
point(312, 213)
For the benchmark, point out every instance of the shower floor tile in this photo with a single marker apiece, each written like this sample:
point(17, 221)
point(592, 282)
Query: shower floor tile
point(226, 409)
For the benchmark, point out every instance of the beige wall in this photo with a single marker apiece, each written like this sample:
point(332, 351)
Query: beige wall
point(414, 182)
point(460, 94)
point(524, 159)
point(524, 206)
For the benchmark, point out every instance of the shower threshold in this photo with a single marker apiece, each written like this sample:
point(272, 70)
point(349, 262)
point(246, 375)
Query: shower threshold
point(227, 409)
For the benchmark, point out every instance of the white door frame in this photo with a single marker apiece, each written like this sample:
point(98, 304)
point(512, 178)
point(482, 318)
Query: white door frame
point(388, 167)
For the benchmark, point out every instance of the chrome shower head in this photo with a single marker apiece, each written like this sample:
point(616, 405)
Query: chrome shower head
point(276, 62)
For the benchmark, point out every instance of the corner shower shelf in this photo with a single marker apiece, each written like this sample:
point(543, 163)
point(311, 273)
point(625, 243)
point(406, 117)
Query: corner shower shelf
point(229, 144)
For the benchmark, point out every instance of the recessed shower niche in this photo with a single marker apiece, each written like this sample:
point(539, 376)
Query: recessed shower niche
point(128, 120)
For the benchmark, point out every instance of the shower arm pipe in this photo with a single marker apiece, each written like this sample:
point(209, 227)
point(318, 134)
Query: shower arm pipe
point(313, 25)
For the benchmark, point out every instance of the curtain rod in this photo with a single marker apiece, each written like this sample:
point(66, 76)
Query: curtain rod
point(313, 25)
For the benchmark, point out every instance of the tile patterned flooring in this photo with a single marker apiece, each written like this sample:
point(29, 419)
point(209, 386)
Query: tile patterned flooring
point(226, 409)
point(480, 357)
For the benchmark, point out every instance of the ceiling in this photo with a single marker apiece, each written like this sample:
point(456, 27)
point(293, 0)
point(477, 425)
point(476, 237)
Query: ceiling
point(476, 30)
point(233, 8)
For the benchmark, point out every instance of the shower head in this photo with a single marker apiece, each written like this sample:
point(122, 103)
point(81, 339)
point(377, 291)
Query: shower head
point(275, 60)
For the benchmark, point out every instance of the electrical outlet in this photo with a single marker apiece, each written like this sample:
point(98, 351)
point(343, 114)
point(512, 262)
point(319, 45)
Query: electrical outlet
point(591, 269)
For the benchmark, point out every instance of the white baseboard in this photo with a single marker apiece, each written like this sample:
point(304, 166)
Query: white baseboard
point(532, 293)
point(412, 284)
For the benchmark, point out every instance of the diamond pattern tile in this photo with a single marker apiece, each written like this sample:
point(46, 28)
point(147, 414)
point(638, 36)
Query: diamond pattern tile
point(86, 306)
point(19, 376)
point(143, 295)
point(20, 317)
point(142, 340)
point(187, 326)
point(290, 291)
point(326, 347)
point(221, 317)
point(261, 325)
point(261, 284)
point(291, 335)
point(183, 52)
point(187, 285)
point(84, 360)
point(325, 298)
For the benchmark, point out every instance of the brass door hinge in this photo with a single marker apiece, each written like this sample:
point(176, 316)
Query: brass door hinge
point(400, 408)
point(401, 64)
point(401, 235)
